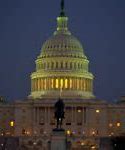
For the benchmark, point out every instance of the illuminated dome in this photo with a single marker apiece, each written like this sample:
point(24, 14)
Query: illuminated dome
point(62, 45)
point(62, 67)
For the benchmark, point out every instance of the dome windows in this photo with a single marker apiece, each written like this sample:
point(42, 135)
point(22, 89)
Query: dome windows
point(57, 83)
point(52, 65)
point(66, 83)
point(70, 83)
point(56, 65)
point(71, 65)
point(61, 83)
point(60, 47)
point(66, 65)
point(62, 42)
point(62, 65)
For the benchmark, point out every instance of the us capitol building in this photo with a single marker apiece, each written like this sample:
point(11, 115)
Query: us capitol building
point(62, 71)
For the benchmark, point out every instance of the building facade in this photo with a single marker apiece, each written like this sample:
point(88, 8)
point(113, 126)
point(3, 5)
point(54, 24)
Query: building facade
point(62, 70)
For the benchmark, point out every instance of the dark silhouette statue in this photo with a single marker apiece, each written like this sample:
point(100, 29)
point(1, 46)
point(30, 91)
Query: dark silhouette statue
point(62, 13)
point(59, 113)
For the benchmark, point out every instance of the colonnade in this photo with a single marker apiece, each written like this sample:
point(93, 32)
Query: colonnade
point(62, 65)
point(39, 84)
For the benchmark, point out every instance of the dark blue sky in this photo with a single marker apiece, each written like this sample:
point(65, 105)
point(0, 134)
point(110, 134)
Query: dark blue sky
point(26, 24)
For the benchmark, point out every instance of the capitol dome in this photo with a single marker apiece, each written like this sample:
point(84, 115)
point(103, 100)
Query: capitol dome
point(62, 67)
point(65, 45)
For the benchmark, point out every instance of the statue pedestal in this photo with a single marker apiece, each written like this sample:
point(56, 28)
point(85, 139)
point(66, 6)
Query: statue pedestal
point(58, 140)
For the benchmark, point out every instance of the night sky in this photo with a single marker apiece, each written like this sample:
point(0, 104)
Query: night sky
point(26, 24)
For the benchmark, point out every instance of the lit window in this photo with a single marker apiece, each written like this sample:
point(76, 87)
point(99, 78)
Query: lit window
point(57, 83)
point(93, 132)
point(11, 123)
point(118, 124)
point(27, 132)
point(93, 147)
point(97, 111)
point(77, 83)
point(38, 84)
point(84, 85)
point(68, 132)
point(45, 85)
point(70, 83)
point(42, 83)
point(35, 84)
point(82, 143)
point(110, 125)
point(34, 143)
point(66, 83)
point(79, 110)
point(61, 83)
point(52, 83)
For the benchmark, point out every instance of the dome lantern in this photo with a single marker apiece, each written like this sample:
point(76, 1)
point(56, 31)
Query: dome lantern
point(62, 22)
